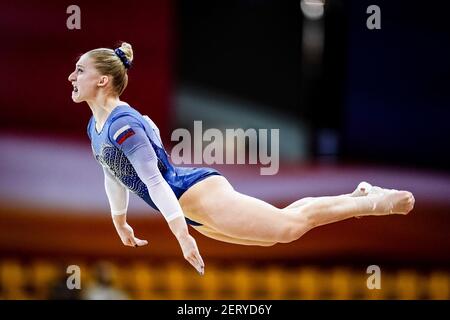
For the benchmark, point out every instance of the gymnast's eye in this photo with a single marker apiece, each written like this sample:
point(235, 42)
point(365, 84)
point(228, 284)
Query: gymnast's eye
point(79, 70)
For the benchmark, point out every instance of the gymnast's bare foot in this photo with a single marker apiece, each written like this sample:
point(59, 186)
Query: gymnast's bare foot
point(391, 201)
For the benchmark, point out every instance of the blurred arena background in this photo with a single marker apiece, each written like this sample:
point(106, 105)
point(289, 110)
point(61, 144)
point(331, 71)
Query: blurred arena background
point(351, 104)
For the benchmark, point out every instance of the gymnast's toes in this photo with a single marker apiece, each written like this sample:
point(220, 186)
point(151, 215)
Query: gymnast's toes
point(404, 202)
point(410, 201)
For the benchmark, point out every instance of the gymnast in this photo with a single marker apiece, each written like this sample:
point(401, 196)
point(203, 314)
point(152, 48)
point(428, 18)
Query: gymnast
point(129, 148)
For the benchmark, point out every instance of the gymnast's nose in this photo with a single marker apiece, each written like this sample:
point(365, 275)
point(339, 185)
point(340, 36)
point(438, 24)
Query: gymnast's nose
point(72, 77)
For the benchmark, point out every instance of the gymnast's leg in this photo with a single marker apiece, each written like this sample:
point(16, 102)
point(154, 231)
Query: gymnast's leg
point(361, 190)
point(325, 210)
point(237, 215)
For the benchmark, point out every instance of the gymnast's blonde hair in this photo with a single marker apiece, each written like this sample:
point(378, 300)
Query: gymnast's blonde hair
point(108, 62)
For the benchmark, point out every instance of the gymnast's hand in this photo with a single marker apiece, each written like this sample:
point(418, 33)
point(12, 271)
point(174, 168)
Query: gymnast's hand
point(126, 234)
point(187, 243)
point(191, 253)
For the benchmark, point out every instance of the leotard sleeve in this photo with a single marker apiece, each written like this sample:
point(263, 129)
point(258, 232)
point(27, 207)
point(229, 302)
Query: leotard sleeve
point(118, 194)
point(128, 134)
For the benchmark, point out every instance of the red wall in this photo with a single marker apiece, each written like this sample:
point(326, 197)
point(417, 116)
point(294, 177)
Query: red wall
point(38, 52)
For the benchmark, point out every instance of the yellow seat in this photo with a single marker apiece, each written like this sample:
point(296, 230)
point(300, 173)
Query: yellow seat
point(42, 274)
point(141, 278)
point(309, 282)
point(275, 282)
point(439, 286)
point(341, 285)
point(13, 279)
point(407, 285)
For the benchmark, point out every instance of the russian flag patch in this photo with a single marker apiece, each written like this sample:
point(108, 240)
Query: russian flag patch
point(123, 134)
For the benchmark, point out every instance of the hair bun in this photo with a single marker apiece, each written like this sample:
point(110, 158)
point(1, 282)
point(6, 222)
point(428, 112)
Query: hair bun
point(128, 50)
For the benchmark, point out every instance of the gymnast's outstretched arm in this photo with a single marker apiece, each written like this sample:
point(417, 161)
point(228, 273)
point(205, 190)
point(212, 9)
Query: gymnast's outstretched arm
point(137, 148)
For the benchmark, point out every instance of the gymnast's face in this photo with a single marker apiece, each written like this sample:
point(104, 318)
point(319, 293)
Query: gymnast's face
point(86, 80)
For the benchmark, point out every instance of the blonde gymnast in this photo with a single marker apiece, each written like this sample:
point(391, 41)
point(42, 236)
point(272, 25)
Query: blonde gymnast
point(129, 148)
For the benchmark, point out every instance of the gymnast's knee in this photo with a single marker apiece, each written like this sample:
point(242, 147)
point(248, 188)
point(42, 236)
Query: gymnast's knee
point(293, 231)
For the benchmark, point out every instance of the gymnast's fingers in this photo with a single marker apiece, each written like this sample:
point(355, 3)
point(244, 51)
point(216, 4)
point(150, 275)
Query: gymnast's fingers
point(195, 264)
point(140, 243)
point(199, 261)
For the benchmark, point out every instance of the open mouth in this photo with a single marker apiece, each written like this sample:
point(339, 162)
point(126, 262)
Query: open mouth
point(75, 88)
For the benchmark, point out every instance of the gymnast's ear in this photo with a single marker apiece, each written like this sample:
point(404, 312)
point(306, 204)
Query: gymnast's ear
point(104, 80)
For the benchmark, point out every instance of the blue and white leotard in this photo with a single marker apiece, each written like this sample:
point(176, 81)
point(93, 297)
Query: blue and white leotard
point(132, 155)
